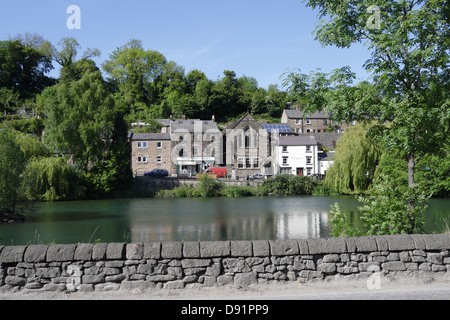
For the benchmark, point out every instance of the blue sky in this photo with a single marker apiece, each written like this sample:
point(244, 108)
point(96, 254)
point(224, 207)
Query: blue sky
point(256, 38)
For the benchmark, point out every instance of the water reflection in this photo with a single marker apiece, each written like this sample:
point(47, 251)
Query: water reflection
point(216, 219)
point(225, 219)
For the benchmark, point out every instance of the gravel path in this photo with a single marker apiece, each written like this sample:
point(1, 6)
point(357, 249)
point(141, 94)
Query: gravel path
point(424, 288)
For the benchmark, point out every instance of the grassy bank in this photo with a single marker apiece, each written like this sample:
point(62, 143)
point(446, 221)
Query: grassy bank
point(281, 185)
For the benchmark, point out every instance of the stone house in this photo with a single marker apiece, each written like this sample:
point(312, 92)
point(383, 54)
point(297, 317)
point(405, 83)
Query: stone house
point(297, 156)
point(248, 148)
point(316, 122)
point(150, 151)
point(195, 146)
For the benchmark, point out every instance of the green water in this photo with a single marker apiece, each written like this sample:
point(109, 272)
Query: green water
point(141, 220)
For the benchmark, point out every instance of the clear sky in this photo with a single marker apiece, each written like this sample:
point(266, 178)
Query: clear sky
point(256, 38)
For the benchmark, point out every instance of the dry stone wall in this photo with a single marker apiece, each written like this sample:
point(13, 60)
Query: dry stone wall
point(178, 265)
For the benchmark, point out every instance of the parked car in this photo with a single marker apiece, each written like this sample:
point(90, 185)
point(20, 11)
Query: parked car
point(219, 172)
point(256, 176)
point(157, 173)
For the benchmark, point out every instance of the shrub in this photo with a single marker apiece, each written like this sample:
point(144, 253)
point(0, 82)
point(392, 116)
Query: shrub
point(288, 185)
point(208, 186)
point(238, 192)
point(385, 211)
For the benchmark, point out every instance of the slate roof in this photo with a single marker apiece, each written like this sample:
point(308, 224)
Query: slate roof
point(193, 125)
point(150, 136)
point(297, 141)
point(327, 139)
point(296, 114)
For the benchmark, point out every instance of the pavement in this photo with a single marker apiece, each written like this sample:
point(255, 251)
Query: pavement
point(428, 287)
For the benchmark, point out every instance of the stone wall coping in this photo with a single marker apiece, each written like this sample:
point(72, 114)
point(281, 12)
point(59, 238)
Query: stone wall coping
point(37, 253)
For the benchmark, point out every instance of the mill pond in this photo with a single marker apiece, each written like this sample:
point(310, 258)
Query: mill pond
point(195, 219)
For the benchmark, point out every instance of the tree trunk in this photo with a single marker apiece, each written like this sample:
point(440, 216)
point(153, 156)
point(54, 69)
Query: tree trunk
point(411, 185)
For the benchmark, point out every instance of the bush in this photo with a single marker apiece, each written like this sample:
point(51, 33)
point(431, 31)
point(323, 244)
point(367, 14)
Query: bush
point(288, 185)
point(385, 211)
point(208, 186)
point(185, 191)
point(52, 179)
point(238, 192)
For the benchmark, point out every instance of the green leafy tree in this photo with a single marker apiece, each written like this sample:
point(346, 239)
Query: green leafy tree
point(52, 179)
point(357, 157)
point(113, 172)
point(23, 69)
point(12, 164)
point(79, 119)
point(72, 69)
point(9, 100)
point(133, 69)
point(408, 42)
point(383, 212)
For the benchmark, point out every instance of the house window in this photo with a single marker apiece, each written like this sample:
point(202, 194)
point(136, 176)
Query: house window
point(285, 149)
point(297, 121)
point(181, 153)
point(308, 171)
point(297, 130)
point(308, 121)
point(308, 160)
point(308, 130)
point(142, 145)
point(240, 163)
point(159, 145)
point(325, 122)
point(256, 163)
point(248, 163)
point(308, 149)
point(159, 159)
point(247, 141)
point(285, 171)
point(141, 159)
point(285, 161)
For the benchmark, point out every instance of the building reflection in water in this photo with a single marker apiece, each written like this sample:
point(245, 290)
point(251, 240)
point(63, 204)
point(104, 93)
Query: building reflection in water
point(221, 219)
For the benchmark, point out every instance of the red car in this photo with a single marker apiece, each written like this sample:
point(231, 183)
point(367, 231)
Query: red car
point(219, 172)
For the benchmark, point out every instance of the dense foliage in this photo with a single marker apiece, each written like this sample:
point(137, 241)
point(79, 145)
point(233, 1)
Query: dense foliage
point(73, 130)
point(281, 185)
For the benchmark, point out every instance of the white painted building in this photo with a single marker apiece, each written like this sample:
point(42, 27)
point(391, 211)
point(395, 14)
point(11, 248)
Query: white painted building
point(326, 159)
point(297, 156)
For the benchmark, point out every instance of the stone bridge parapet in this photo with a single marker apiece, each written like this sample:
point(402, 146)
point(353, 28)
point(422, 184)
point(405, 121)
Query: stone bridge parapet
point(178, 265)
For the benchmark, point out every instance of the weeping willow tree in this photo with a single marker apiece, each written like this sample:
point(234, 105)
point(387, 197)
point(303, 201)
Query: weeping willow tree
point(51, 179)
point(357, 156)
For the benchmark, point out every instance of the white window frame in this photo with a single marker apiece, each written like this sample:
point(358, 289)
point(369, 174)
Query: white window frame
point(256, 163)
point(241, 163)
point(159, 159)
point(141, 159)
point(159, 145)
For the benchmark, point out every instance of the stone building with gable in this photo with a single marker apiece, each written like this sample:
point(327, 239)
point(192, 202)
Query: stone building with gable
point(150, 151)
